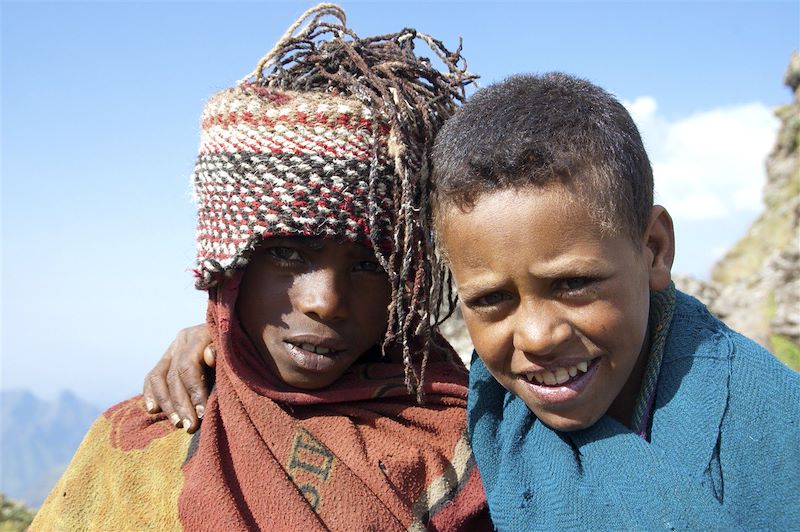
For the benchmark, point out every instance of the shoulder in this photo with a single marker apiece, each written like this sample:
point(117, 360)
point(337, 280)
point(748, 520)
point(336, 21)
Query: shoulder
point(738, 404)
point(126, 472)
point(764, 397)
point(699, 342)
point(131, 427)
point(759, 434)
point(696, 333)
point(711, 369)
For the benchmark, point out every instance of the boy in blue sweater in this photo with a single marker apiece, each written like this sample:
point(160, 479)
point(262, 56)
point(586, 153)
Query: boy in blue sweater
point(600, 396)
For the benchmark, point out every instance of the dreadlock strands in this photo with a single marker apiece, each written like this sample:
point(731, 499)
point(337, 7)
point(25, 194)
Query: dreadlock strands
point(319, 11)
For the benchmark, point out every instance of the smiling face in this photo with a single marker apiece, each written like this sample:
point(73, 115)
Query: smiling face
point(312, 307)
point(557, 310)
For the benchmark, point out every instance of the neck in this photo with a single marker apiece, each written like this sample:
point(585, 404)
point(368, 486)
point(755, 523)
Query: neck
point(622, 407)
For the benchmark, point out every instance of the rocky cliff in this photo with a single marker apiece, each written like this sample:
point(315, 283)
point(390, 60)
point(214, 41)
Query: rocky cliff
point(755, 287)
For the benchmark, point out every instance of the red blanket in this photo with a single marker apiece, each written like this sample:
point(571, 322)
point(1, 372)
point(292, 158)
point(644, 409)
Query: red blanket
point(360, 454)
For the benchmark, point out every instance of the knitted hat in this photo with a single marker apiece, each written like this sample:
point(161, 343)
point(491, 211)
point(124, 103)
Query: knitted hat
point(330, 137)
point(281, 163)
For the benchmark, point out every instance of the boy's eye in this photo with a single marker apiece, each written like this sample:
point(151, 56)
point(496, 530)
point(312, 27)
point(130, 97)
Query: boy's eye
point(575, 284)
point(285, 254)
point(369, 266)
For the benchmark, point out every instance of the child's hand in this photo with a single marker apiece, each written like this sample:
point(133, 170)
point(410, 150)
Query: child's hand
point(177, 385)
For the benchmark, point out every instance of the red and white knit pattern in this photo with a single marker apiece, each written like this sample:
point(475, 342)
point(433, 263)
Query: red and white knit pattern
point(284, 163)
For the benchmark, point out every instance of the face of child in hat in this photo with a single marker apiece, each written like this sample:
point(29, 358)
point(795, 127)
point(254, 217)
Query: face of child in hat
point(312, 307)
point(556, 308)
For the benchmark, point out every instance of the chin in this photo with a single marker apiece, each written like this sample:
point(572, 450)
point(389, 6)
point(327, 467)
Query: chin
point(563, 423)
point(309, 384)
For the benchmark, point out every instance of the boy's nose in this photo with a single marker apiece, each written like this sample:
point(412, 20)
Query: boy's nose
point(323, 295)
point(539, 330)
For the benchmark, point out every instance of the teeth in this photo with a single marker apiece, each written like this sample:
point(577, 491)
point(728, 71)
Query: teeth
point(315, 349)
point(558, 375)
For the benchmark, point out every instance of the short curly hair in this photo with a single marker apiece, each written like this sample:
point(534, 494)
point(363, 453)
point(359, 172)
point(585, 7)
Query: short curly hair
point(544, 129)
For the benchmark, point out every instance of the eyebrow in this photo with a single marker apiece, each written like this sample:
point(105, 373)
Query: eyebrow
point(572, 266)
point(487, 280)
point(480, 285)
point(308, 242)
point(315, 244)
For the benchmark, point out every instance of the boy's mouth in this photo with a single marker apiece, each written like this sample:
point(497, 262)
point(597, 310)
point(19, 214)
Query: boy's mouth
point(558, 376)
point(561, 383)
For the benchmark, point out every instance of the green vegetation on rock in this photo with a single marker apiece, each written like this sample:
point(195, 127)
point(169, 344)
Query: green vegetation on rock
point(786, 350)
point(776, 228)
point(759, 278)
point(14, 517)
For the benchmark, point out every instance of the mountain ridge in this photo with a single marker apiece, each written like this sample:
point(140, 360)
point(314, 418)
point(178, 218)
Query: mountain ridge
point(38, 440)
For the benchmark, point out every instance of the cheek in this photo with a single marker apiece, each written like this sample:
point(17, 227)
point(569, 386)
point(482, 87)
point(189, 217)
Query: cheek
point(373, 306)
point(262, 301)
point(618, 327)
point(490, 341)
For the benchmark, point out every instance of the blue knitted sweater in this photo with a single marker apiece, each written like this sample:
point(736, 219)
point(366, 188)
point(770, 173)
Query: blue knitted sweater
point(722, 454)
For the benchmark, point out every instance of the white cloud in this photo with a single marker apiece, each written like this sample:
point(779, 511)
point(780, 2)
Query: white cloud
point(709, 165)
point(709, 173)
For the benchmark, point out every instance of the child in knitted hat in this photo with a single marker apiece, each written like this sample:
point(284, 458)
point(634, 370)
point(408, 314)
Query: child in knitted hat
point(600, 397)
point(336, 406)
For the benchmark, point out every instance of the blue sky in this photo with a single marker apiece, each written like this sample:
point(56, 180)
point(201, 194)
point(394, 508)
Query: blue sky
point(100, 107)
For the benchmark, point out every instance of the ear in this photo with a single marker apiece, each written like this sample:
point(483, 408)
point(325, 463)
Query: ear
point(660, 241)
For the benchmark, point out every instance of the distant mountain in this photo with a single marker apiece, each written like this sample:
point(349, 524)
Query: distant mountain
point(37, 441)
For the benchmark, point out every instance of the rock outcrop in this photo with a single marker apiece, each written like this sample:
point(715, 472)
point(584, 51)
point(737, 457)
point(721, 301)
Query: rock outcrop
point(755, 287)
